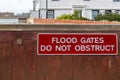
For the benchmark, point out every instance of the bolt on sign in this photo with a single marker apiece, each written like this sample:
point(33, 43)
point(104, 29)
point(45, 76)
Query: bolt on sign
point(77, 44)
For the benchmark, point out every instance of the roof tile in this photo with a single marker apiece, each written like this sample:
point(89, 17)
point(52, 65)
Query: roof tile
point(53, 21)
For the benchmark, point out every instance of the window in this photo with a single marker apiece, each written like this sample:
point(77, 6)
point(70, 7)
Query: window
point(80, 13)
point(94, 13)
point(107, 11)
point(117, 11)
point(50, 14)
point(116, 0)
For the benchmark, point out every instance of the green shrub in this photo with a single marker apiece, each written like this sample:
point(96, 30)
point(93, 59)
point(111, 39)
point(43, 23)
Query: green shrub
point(74, 16)
point(83, 18)
point(65, 16)
point(109, 17)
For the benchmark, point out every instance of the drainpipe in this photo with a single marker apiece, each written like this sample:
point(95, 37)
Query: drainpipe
point(39, 13)
point(46, 9)
point(34, 4)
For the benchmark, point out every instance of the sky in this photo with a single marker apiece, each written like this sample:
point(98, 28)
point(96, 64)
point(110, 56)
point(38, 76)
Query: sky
point(16, 6)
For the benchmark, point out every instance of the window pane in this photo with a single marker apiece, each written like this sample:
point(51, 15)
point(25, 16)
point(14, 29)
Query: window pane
point(80, 13)
point(107, 11)
point(94, 13)
point(117, 11)
point(50, 14)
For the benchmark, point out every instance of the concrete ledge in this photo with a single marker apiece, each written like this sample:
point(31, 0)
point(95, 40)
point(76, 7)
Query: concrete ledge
point(58, 27)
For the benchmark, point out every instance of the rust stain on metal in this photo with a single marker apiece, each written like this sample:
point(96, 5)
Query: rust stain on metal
point(22, 62)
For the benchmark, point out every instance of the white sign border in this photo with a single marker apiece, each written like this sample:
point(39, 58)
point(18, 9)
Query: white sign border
point(55, 54)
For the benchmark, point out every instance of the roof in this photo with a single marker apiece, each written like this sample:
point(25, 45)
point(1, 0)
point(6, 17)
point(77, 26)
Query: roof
point(6, 15)
point(24, 15)
point(53, 21)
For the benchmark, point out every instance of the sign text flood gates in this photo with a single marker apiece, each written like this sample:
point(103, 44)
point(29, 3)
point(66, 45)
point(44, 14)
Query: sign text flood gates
point(77, 44)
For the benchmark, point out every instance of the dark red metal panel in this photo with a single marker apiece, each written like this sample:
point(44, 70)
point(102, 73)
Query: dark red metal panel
point(90, 68)
point(19, 61)
point(5, 61)
point(30, 60)
point(49, 68)
point(24, 57)
point(114, 68)
point(114, 64)
point(5, 56)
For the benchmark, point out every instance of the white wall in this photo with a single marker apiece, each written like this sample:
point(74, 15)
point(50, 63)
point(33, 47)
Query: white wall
point(88, 14)
point(66, 7)
point(43, 13)
point(34, 14)
point(55, 4)
point(57, 12)
point(61, 12)
point(9, 21)
point(98, 4)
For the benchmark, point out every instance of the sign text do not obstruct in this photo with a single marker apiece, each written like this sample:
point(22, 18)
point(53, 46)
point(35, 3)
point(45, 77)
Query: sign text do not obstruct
point(77, 44)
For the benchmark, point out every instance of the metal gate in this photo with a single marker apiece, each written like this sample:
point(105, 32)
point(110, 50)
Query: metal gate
point(19, 59)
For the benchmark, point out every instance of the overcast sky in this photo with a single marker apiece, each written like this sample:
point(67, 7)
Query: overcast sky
point(16, 6)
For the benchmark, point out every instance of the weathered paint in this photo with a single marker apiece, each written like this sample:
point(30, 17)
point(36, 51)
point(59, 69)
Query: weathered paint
point(21, 62)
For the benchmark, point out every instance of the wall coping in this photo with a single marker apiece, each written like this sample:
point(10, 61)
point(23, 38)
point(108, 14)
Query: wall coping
point(59, 27)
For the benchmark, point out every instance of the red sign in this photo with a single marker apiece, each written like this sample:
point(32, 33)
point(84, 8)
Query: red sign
point(77, 44)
